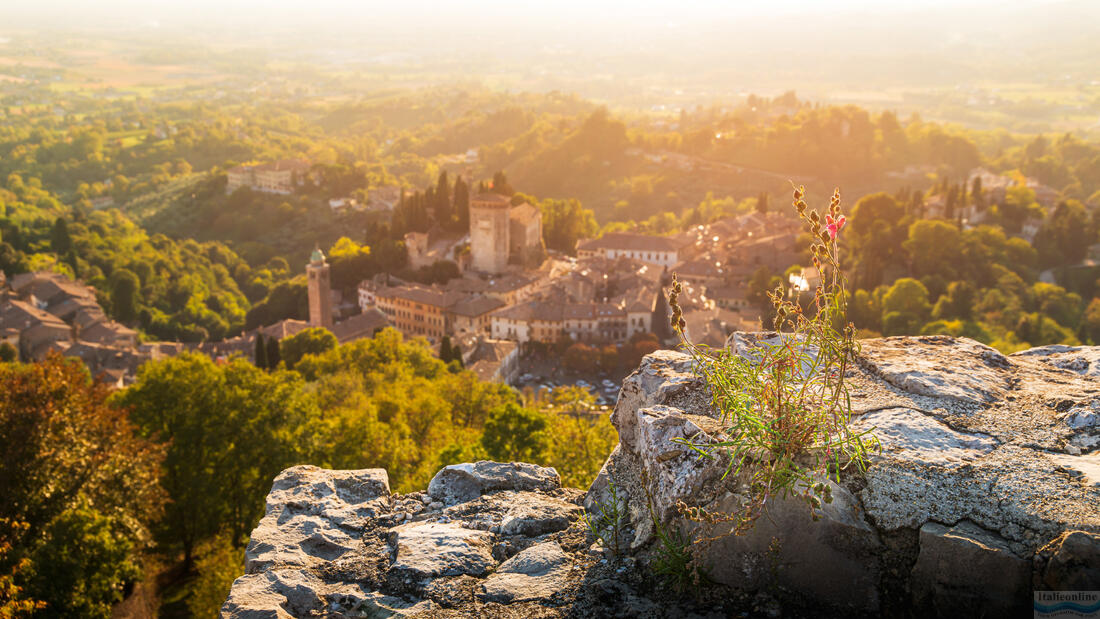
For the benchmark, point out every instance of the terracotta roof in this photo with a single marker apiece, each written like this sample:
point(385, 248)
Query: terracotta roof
point(524, 212)
point(491, 198)
point(360, 326)
point(478, 305)
point(632, 242)
point(107, 332)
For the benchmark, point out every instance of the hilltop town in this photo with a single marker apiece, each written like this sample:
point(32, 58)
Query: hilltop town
point(507, 299)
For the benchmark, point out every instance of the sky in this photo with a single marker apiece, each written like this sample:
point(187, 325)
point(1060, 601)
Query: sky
point(42, 13)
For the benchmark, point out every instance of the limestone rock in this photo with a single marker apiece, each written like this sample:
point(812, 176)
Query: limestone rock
point(915, 436)
point(1083, 360)
point(290, 593)
point(312, 514)
point(965, 570)
point(536, 515)
point(831, 560)
point(438, 549)
point(930, 365)
point(1005, 445)
point(534, 574)
point(458, 483)
point(1072, 562)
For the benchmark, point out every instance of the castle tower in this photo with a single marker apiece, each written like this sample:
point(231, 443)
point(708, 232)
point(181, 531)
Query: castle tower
point(320, 292)
point(489, 232)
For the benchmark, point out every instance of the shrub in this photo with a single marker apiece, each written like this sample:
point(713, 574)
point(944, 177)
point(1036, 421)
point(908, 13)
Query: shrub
point(786, 403)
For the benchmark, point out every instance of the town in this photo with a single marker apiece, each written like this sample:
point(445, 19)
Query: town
point(512, 306)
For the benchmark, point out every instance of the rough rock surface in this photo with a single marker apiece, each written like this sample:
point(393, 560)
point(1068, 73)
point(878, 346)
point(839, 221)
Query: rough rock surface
point(493, 540)
point(986, 461)
point(986, 488)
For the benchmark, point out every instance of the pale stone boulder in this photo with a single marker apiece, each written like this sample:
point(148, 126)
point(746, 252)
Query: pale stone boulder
point(459, 483)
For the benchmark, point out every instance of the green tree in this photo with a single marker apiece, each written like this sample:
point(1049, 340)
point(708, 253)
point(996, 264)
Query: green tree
point(905, 307)
point(1066, 236)
point(60, 240)
point(125, 290)
point(956, 303)
point(82, 564)
point(8, 353)
point(273, 353)
point(231, 428)
point(259, 352)
point(1090, 323)
point(461, 204)
point(445, 349)
point(311, 341)
point(515, 433)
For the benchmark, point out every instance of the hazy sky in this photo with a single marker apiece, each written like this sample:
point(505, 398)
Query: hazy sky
point(121, 12)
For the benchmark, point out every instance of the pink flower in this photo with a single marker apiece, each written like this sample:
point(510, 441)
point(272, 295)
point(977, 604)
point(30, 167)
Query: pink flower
point(834, 226)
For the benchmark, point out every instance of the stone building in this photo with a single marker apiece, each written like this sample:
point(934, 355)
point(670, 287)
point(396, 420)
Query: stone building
point(501, 233)
point(281, 177)
point(320, 291)
point(489, 227)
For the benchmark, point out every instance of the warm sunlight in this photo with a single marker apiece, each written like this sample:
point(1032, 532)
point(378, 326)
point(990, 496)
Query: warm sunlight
point(597, 308)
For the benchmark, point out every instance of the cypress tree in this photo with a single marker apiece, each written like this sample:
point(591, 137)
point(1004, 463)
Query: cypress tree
point(273, 354)
point(259, 353)
point(462, 204)
point(456, 355)
point(445, 349)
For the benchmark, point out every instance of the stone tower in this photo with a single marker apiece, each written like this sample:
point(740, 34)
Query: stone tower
point(320, 292)
point(489, 232)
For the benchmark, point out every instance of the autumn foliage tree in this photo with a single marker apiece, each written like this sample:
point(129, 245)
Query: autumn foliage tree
point(77, 473)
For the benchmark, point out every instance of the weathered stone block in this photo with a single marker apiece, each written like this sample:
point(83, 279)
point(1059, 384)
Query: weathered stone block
point(458, 483)
point(965, 570)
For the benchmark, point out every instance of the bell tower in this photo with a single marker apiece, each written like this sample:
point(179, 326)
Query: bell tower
point(320, 292)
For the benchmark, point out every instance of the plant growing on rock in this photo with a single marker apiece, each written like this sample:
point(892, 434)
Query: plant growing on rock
point(784, 399)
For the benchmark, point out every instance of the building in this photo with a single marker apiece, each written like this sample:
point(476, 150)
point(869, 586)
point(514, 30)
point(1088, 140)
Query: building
point(320, 291)
point(493, 360)
point(490, 223)
point(501, 233)
point(35, 330)
point(415, 309)
point(525, 235)
point(659, 250)
point(280, 177)
point(433, 311)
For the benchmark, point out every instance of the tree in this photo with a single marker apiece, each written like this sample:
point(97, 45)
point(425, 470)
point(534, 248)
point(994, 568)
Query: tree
point(273, 353)
point(8, 353)
point(956, 303)
point(89, 582)
point(1090, 324)
point(443, 207)
point(311, 341)
point(125, 288)
point(1066, 236)
point(445, 349)
point(73, 470)
point(762, 203)
point(501, 184)
point(934, 248)
point(60, 240)
point(609, 357)
point(259, 352)
point(230, 429)
point(581, 358)
point(461, 204)
point(905, 307)
point(516, 434)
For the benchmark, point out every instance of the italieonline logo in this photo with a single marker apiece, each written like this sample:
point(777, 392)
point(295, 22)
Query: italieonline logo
point(1067, 604)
